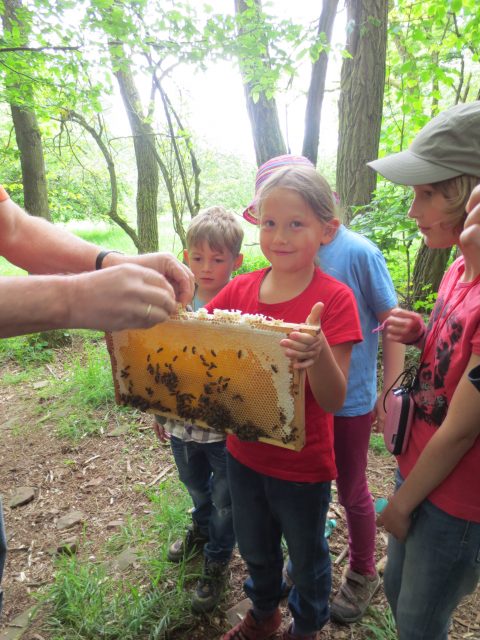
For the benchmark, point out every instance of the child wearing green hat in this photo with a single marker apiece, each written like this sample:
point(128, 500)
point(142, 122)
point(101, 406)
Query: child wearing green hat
point(434, 517)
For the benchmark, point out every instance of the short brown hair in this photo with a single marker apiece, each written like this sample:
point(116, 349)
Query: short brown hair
point(220, 228)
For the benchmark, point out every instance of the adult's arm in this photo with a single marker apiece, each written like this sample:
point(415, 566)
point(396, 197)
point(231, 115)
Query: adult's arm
point(123, 297)
point(42, 248)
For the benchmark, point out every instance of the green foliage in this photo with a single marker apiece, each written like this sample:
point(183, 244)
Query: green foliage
point(253, 262)
point(432, 63)
point(87, 387)
point(382, 627)
point(27, 351)
point(88, 601)
point(377, 444)
point(386, 223)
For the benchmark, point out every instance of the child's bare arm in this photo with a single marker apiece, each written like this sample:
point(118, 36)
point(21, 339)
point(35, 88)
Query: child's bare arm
point(327, 367)
point(443, 453)
point(393, 358)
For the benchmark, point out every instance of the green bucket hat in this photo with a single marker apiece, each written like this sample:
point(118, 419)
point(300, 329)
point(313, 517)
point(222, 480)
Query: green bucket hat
point(448, 146)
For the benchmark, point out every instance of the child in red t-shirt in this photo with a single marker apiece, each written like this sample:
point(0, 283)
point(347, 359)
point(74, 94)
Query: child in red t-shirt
point(434, 516)
point(277, 491)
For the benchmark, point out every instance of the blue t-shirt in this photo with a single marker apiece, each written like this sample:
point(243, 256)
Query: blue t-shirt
point(357, 262)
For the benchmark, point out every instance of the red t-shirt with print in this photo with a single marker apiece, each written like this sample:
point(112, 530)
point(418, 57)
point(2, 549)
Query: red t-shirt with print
point(340, 323)
point(454, 334)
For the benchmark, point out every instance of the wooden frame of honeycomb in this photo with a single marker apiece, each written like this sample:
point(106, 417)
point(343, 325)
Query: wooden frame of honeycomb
point(225, 371)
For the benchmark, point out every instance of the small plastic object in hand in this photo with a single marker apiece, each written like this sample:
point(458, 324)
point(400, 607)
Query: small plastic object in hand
point(380, 504)
point(330, 525)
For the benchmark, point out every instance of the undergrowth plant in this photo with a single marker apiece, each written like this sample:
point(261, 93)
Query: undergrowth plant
point(86, 396)
point(382, 626)
point(26, 351)
point(90, 600)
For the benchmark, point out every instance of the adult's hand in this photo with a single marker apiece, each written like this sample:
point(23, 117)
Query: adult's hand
point(178, 275)
point(127, 296)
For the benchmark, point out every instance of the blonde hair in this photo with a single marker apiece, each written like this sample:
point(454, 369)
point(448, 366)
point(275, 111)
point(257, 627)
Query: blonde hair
point(218, 227)
point(310, 186)
point(456, 192)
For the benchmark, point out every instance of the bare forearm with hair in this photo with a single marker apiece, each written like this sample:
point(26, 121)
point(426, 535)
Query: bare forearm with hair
point(124, 297)
point(40, 247)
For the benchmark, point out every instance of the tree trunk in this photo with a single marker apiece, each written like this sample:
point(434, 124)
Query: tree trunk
point(147, 168)
point(317, 84)
point(267, 135)
point(27, 132)
point(430, 265)
point(361, 101)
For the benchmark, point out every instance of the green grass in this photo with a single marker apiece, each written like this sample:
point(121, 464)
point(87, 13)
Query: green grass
point(382, 626)
point(27, 351)
point(90, 600)
point(377, 444)
point(87, 387)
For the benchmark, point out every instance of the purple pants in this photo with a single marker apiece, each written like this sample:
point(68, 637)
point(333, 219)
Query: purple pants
point(352, 435)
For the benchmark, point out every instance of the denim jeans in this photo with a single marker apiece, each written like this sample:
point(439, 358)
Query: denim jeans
point(202, 469)
point(3, 552)
point(427, 576)
point(264, 508)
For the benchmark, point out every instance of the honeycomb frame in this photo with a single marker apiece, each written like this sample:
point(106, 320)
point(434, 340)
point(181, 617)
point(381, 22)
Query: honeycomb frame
point(223, 371)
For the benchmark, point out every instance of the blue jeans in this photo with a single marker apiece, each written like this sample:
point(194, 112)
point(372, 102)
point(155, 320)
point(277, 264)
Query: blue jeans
point(202, 469)
point(264, 508)
point(427, 576)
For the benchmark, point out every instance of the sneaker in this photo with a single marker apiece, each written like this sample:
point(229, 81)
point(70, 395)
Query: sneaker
point(288, 635)
point(210, 587)
point(187, 547)
point(250, 629)
point(353, 597)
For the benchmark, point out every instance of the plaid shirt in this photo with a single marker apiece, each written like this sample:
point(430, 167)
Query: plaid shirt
point(190, 432)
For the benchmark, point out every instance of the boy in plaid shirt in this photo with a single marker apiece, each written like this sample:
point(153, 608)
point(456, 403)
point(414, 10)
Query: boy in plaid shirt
point(214, 239)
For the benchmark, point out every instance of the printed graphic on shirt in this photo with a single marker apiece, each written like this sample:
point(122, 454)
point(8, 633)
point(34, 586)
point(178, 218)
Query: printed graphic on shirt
point(430, 395)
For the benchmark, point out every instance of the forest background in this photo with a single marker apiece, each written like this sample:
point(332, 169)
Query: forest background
point(106, 108)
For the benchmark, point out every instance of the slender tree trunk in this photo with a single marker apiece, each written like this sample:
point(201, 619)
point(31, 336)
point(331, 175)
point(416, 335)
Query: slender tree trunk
point(317, 84)
point(147, 168)
point(361, 101)
point(27, 131)
point(430, 265)
point(267, 135)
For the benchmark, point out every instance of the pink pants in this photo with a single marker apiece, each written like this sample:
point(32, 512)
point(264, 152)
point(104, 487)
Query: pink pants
point(352, 435)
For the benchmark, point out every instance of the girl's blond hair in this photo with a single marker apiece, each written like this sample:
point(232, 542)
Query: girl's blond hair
point(456, 192)
point(310, 186)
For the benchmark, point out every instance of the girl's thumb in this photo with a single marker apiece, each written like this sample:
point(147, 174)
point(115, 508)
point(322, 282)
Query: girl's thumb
point(315, 314)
